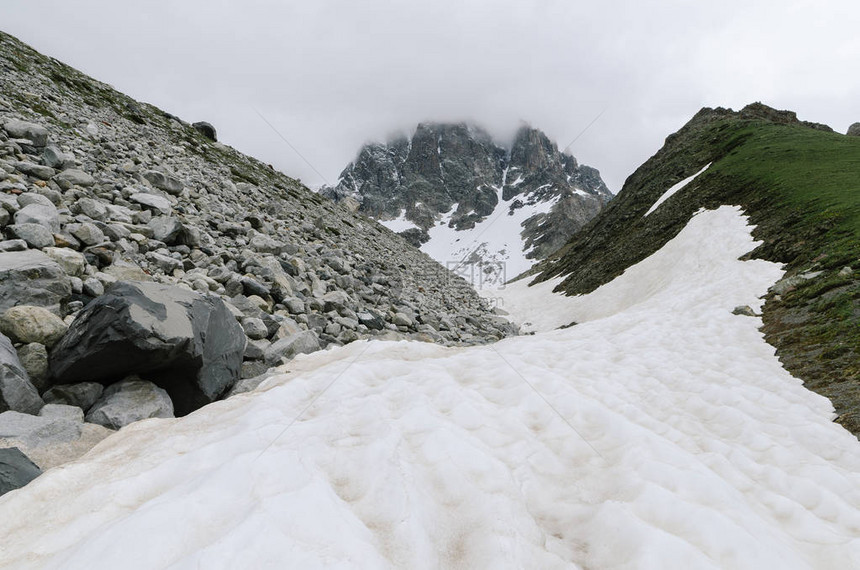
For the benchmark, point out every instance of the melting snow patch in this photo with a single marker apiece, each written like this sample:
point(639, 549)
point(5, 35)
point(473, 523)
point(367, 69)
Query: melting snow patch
point(661, 432)
point(674, 189)
point(399, 224)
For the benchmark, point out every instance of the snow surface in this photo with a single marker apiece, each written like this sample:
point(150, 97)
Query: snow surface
point(674, 189)
point(490, 253)
point(399, 224)
point(659, 433)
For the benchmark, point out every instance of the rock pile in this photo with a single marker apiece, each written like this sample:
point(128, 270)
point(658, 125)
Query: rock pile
point(146, 269)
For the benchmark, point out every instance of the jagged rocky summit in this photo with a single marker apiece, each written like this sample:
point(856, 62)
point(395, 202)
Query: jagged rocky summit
point(147, 269)
point(470, 202)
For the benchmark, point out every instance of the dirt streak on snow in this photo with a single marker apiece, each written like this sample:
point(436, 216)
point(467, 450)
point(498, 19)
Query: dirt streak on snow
point(674, 440)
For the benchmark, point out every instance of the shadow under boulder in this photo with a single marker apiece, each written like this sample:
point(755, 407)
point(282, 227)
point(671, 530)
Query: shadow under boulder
point(187, 344)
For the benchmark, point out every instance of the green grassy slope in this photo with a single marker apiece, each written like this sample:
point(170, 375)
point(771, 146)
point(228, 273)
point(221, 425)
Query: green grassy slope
point(800, 184)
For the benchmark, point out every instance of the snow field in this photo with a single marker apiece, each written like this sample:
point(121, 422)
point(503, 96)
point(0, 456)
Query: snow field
point(660, 432)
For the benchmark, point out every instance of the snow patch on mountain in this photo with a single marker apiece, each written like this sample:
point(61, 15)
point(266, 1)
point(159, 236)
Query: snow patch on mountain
point(675, 188)
point(660, 432)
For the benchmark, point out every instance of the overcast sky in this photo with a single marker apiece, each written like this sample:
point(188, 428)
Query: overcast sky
point(333, 74)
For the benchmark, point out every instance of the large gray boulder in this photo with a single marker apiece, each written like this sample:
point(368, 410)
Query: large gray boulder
point(31, 278)
point(16, 470)
point(130, 401)
point(206, 129)
point(17, 393)
point(854, 130)
point(186, 343)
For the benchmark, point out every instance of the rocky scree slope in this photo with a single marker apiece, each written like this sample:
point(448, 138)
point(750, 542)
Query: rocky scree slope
point(800, 184)
point(140, 255)
point(455, 175)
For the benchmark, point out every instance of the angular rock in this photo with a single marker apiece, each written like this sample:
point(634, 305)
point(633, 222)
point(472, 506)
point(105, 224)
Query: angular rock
point(55, 158)
point(166, 228)
point(188, 344)
point(89, 234)
point(255, 328)
point(17, 393)
point(16, 470)
point(26, 323)
point(73, 177)
point(71, 261)
point(129, 401)
point(13, 245)
point(36, 235)
point(34, 359)
point(37, 134)
point(41, 214)
point(30, 431)
point(31, 278)
point(304, 342)
point(82, 395)
point(158, 203)
point(92, 208)
point(335, 300)
point(36, 170)
point(62, 412)
point(371, 320)
point(162, 181)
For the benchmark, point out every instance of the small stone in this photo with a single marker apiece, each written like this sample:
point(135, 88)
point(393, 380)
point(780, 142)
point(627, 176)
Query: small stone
point(93, 287)
point(16, 470)
point(37, 134)
point(16, 391)
point(158, 203)
point(169, 184)
point(35, 170)
point(129, 401)
point(847, 271)
point(28, 324)
point(89, 234)
point(72, 262)
point(13, 245)
point(402, 320)
point(744, 310)
point(34, 359)
point(34, 235)
point(287, 348)
point(43, 214)
point(62, 412)
point(92, 208)
point(82, 395)
point(73, 177)
point(255, 328)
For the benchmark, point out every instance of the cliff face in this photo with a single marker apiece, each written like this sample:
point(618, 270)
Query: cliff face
point(456, 176)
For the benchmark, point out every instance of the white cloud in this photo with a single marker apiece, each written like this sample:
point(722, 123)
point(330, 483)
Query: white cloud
point(332, 74)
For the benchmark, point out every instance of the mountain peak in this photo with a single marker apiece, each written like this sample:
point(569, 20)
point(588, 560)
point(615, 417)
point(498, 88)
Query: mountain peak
point(456, 176)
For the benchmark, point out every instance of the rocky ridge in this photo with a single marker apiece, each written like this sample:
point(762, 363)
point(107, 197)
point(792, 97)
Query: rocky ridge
point(799, 183)
point(130, 237)
point(457, 176)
